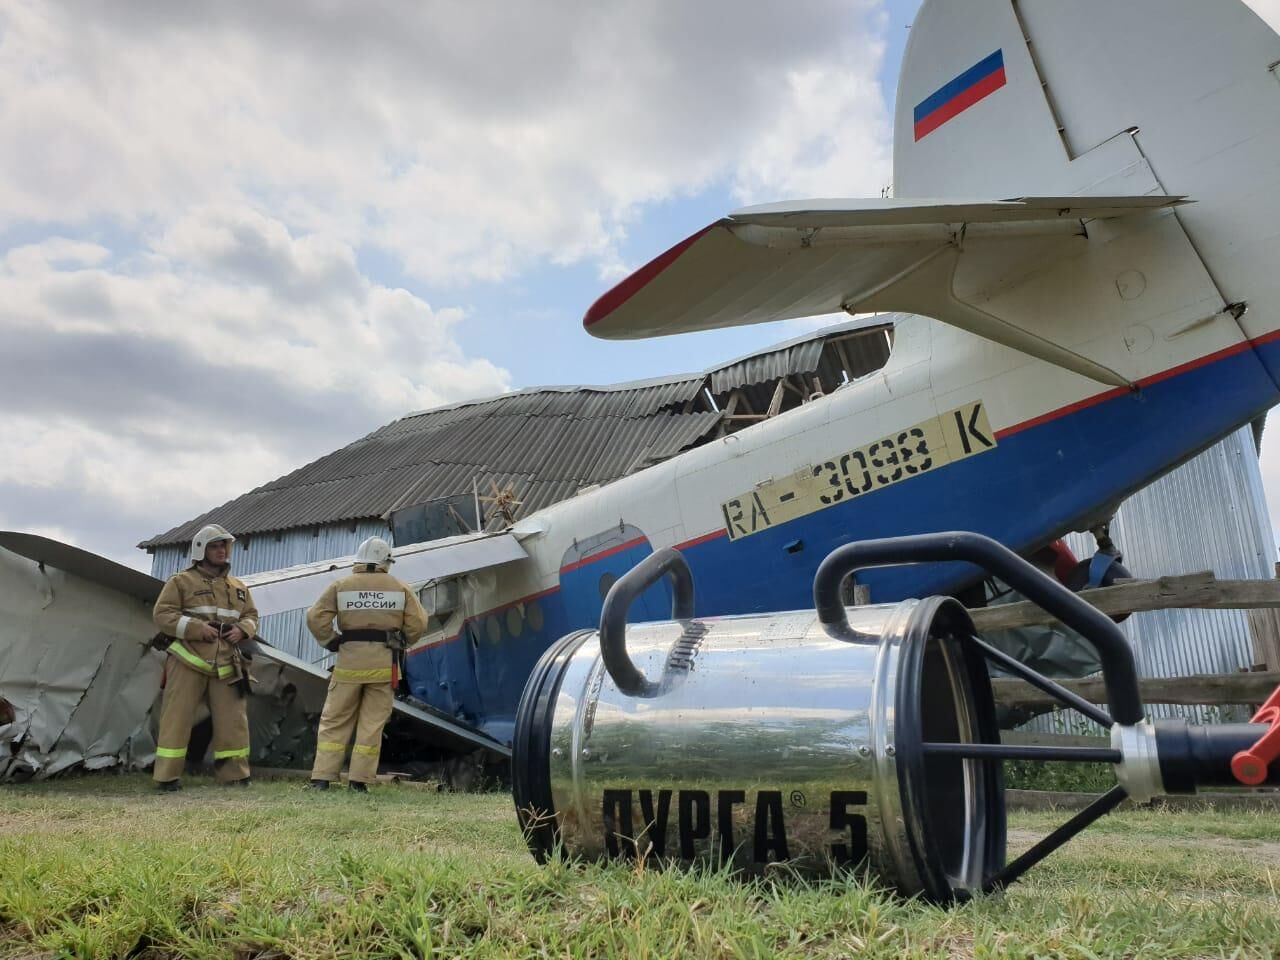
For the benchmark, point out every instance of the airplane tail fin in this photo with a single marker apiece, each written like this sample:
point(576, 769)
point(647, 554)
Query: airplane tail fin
point(1041, 149)
point(1006, 98)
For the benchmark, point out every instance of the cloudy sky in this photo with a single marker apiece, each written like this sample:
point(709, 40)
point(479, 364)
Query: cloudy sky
point(235, 236)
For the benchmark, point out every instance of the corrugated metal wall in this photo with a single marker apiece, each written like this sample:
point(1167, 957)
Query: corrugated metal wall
point(287, 631)
point(1209, 514)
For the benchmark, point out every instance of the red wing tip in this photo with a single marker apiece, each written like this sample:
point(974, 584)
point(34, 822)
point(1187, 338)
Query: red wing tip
point(628, 287)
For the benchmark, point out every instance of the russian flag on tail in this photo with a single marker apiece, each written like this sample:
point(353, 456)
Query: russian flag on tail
point(982, 79)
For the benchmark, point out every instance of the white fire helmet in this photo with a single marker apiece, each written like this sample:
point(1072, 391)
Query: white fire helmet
point(207, 535)
point(377, 551)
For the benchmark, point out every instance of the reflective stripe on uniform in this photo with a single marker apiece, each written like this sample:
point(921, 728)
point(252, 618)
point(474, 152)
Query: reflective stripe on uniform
point(190, 658)
point(379, 673)
point(212, 612)
point(230, 754)
point(367, 751)
point(250, 627)
point(224, 670)
point(183, 623)
point(171, 753)
point(329, 746)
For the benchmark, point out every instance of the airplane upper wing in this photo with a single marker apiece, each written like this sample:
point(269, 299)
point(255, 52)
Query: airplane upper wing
point(297, 587)
point(786, 260)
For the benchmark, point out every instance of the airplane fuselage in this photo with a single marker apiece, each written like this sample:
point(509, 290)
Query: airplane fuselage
point(1003, 414)
point(890, 454)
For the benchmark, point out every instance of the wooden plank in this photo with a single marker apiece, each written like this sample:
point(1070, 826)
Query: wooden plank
point(1264, 628)
point(1209, 688)
point(1198, 590)
point(775, 405)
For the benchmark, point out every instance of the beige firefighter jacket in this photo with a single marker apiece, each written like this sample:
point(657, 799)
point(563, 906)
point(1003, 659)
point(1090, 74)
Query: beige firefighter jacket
point(366, 601)
point(191, 596)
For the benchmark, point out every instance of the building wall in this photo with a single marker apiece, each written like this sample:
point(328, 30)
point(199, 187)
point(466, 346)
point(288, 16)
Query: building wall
point(273, 551)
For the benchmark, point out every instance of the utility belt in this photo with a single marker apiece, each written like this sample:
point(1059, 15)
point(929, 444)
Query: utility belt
point(366, 636)
point(392, 639)
point(247, 647)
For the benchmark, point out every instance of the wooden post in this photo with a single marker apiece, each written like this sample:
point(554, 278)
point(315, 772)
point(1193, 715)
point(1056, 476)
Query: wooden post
point(1264, 628)
point(775, 405)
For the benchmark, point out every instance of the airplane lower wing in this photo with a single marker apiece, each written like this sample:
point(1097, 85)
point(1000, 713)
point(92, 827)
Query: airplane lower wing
point(789, 260)
point(75, 607)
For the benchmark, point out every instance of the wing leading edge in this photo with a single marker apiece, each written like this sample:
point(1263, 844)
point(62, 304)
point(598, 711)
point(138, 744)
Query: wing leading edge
point(295, 588)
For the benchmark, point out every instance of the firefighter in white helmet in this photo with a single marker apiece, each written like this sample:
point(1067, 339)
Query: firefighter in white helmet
point(209, 614)
point(375, 615)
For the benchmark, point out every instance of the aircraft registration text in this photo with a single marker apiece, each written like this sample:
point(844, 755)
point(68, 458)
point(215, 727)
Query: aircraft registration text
point(946, 438)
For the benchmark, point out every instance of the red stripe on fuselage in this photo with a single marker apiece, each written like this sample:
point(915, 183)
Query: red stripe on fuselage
point(604, 553)
point(1144, 382)
point(480, 616)
point(959, 103)
point(705, 538)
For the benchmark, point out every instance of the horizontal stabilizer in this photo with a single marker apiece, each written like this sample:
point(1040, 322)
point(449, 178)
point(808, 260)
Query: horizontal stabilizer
point(890, 212)
point(787, 260)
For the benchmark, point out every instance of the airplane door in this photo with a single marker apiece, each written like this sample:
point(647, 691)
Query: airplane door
point(590, 567)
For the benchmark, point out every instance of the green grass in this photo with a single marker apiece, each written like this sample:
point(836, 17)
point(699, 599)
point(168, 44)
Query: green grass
point(103, 867)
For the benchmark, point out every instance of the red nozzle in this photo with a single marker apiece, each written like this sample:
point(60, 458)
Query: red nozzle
point(1250, 766)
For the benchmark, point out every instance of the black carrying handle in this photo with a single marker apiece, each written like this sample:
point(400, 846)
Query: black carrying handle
point(613, 615)
point(1119, 673)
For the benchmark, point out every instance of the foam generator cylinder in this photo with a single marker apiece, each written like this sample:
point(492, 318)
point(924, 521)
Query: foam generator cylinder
point(762, 740)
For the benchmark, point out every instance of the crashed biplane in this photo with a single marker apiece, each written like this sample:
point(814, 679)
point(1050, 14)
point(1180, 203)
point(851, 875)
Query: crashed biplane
point(1084, 235)
point(1082, 254)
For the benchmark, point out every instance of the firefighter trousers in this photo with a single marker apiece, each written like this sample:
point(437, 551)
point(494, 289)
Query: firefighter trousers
point(184, 689)
point(364, 707)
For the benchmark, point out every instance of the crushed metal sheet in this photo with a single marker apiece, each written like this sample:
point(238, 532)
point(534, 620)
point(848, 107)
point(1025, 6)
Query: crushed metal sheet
point(80, 685)
point(80, 682)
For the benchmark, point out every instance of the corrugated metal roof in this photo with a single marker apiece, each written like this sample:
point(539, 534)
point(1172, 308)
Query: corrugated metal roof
point(547, 443)
point(803, 354)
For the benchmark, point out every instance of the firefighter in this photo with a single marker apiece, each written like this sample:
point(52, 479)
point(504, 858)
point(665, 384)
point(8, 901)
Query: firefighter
point(209, 614)
point(377, 616)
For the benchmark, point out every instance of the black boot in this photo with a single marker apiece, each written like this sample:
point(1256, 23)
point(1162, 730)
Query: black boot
point(169, 786)
point(242, 782)
point(358, 787)
point(319, 785)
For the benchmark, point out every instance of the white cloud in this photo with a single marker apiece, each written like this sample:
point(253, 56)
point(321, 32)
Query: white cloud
point(1268, 10)
point(223, 356)
point(468, 142)
point(197, 186)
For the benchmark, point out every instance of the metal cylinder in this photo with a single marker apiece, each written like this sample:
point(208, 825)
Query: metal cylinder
point(762, 740)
